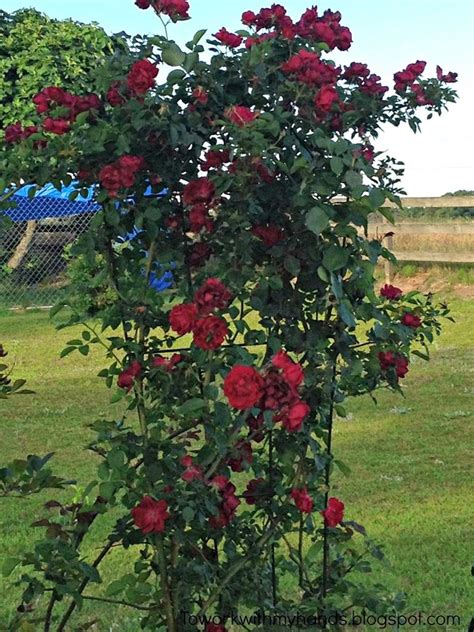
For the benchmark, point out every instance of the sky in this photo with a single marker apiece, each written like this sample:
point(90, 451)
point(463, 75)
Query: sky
point(387, 34)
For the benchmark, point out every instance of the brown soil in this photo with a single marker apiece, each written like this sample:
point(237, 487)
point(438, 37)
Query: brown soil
point(424, 282)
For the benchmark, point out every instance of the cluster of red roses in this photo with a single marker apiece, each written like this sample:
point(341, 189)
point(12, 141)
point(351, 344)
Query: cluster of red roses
point(226, 489)
point(209, 330)
point(140, 78)
point(406, 78)
point(390, 359)
point(48, 99)
point(175, 9)
point(120, 174)
point(199, 195)
point(15, 132)
point(333, 514)
point(326, 29)
point(310, 69)
point(134, 370)
point(275, 390)
point(215, 158)
point(409, 319)
point(368, 83)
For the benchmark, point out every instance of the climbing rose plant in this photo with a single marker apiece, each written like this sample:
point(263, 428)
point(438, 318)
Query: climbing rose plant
point(248, 180)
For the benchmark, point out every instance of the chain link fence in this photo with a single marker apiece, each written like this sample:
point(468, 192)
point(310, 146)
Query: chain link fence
point(34, 247)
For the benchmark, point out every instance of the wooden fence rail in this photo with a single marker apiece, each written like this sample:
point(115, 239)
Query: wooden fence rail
point(414, 228)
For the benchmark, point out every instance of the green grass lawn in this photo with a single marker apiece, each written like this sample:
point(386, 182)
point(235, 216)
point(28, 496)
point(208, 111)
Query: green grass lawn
point(411, 461)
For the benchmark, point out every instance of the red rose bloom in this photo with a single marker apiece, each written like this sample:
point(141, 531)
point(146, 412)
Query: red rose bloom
point(293, 419)
point(373, 87)
point(128, 163)
point(198, 254)
point(257, 490)
point(248, 18)
point(199, 218)
point(110, 179)
point(334, 512)
point(150, 515)
point(391, 292)
point(210, 332)
point(229, 39)
point(214, 159)
point(302, 499)
point(270, 235)
point(292, 371)
point(192, 472)
point(15, 133)
point(401, 366)
point(56, 126)
point(167, 364)
point(143, 4)
point(127, 376)
point(176, 9)
point(212, 295)
point(199, 191)
point(200, 95)
point(355, 70)
point(451, 77)
point(411, 320)
point(243, 387)
point(388, 359)
point(326, 98)
point(183, 317)
point(242, 454)
point(141, 76)
point(240, 115)
point(114, 96)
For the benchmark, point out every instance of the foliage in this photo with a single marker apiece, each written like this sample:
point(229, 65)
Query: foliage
point(238, 370)
point(65, 53)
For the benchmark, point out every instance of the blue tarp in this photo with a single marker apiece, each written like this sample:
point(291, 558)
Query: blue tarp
point(49, 202)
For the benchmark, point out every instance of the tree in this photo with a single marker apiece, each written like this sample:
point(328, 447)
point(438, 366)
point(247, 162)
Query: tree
point(226, 173)
point(38, 51)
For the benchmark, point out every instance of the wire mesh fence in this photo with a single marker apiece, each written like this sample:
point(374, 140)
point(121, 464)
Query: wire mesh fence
point(34, 249)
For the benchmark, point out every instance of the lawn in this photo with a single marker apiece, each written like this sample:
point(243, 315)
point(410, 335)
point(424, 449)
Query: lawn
point(411, 461)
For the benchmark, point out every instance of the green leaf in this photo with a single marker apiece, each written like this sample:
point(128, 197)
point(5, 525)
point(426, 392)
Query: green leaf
point(353, 179)
point(376, 198)
point(190, 61)
point(316, 220)
point(334, 258)
point(198, 36)
point(116, 587)
point(191, 406)
point(188, 514)
point(173, 55)
point(337, 165)
point(292, 265)
point(420, 354)
point(175, 76)
point(387, 213)
point(322, 274)
point(345, 469)
point(345, 312)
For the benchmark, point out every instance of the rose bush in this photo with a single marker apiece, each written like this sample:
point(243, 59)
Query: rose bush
point(251, 178)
